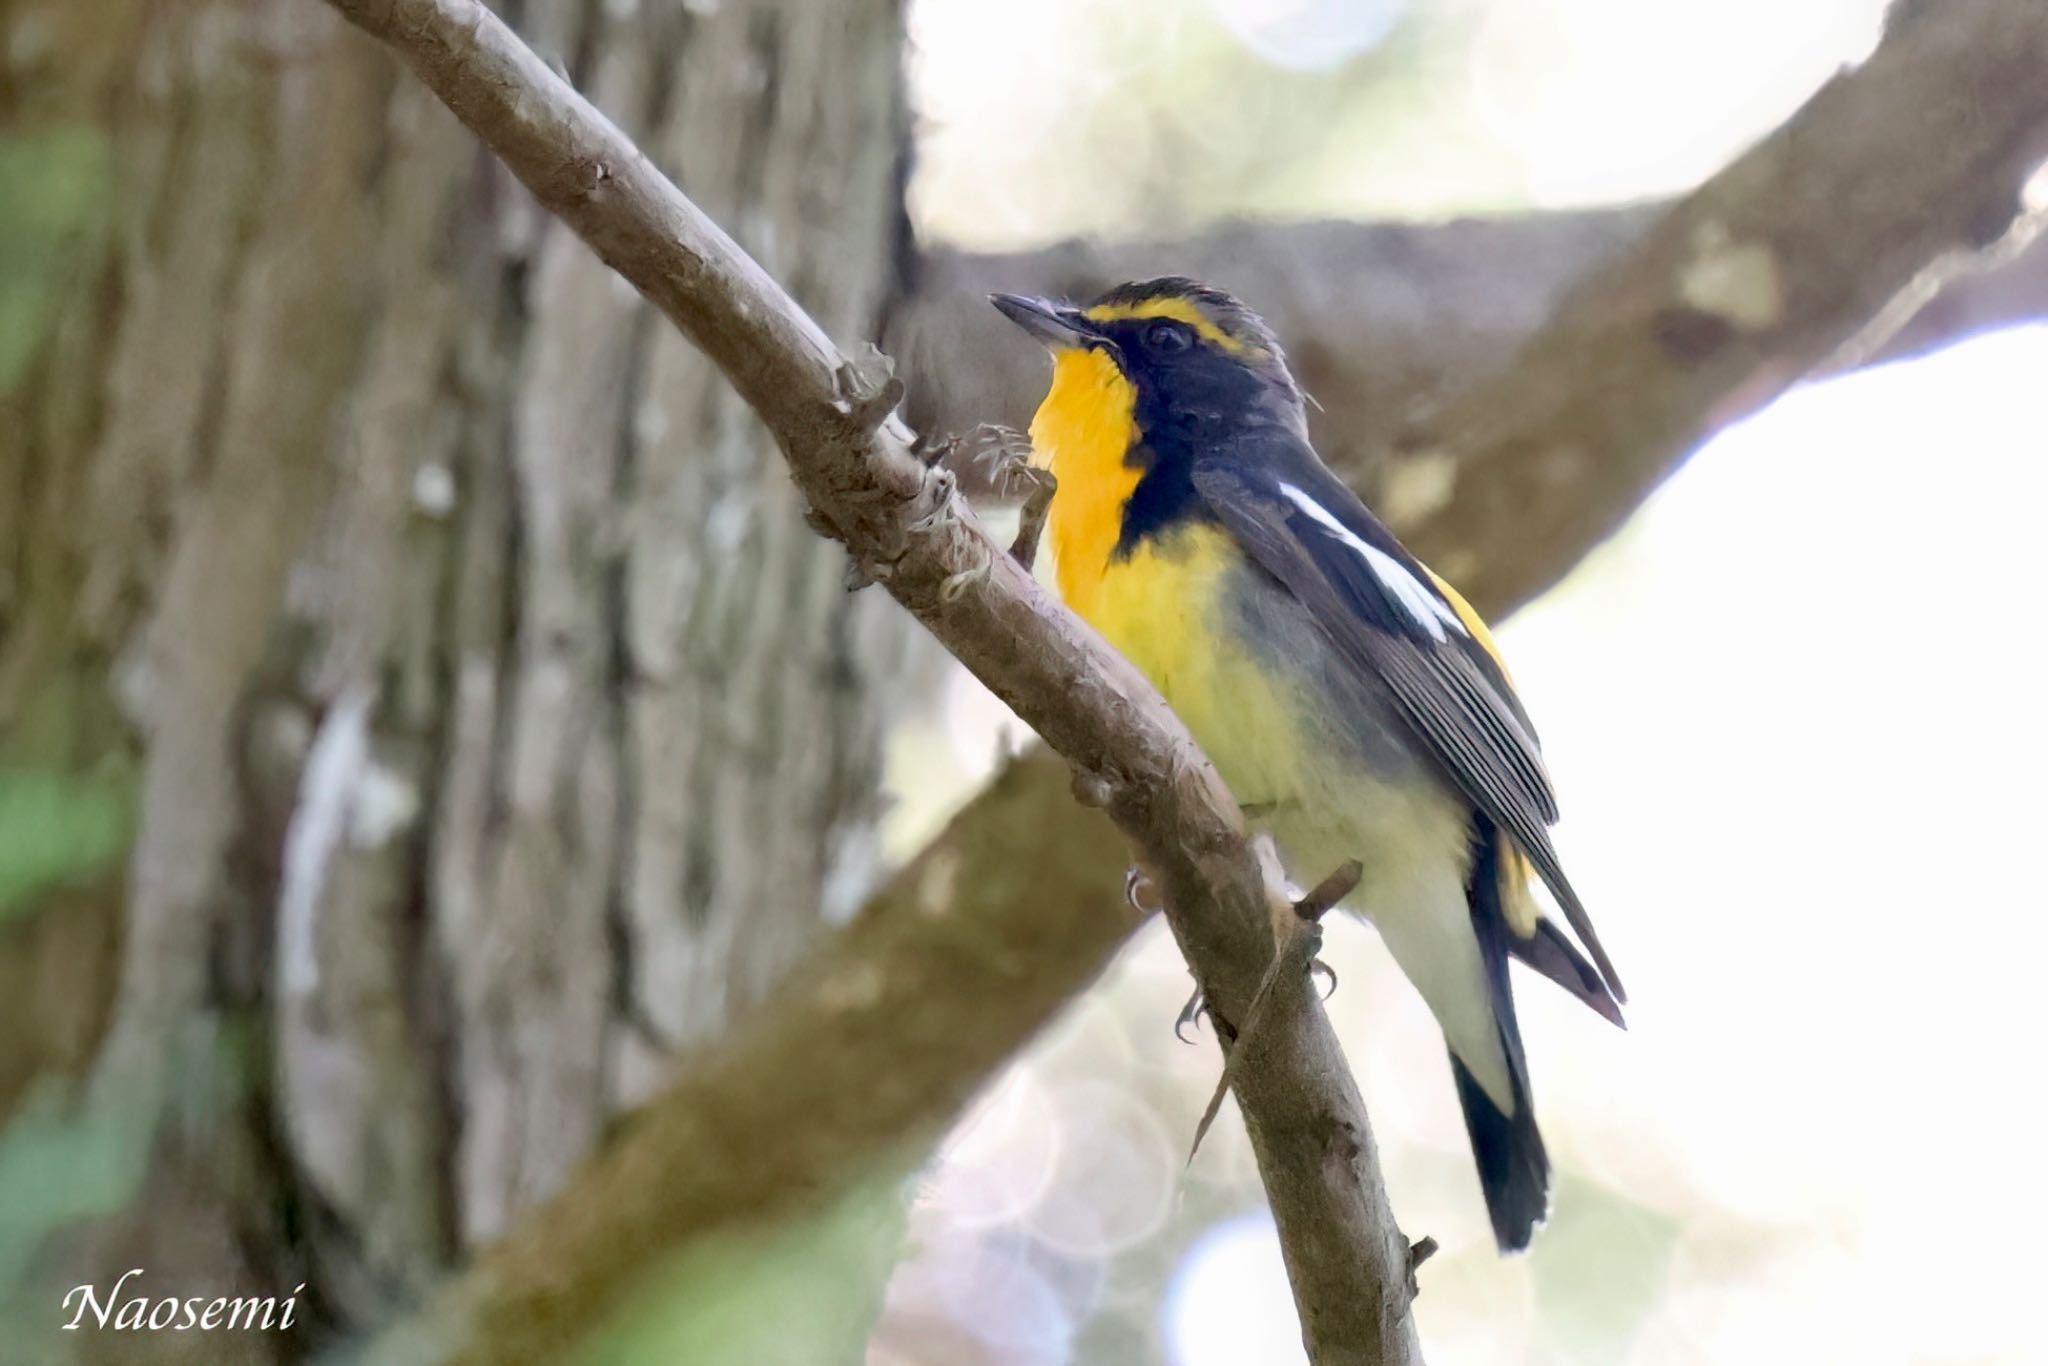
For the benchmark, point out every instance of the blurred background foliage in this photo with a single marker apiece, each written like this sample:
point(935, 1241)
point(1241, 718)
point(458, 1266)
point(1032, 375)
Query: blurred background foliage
point(1797, 840)
point(54, 190)
point(1147, 118)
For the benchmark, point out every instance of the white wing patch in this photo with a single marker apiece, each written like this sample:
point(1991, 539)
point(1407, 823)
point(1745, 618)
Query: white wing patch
point(1425, 608)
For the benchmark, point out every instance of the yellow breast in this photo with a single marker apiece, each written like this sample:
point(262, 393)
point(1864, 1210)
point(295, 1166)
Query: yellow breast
point(1164, 606)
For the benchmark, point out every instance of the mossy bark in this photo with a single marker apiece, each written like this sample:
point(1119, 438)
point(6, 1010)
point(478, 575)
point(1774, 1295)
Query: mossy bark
point(481, 722)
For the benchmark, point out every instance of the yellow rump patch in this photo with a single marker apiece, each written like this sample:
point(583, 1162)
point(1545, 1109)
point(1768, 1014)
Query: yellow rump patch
point(1474, 623)
point(1517, 901)
point(1517, 877)
point(1179, 310)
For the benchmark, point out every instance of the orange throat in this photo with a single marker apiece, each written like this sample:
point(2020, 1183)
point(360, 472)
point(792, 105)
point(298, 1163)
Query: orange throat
point(1083, 433)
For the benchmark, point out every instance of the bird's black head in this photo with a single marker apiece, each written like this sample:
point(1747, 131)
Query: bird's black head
point(1196, 356)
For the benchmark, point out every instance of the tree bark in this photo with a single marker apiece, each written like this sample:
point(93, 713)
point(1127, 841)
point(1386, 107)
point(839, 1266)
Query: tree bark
point(376, 554)
point(906, 528)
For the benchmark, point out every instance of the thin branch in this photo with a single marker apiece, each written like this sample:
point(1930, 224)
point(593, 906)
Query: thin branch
point(1300, 939)
point(900, 520)
point(1974, 54)
point(1895, 172)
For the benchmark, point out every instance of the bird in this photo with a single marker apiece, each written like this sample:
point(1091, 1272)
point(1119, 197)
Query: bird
point(1356, 706)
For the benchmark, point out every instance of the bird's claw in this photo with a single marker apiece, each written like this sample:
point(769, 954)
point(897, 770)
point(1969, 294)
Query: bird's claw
point(1192, 1013)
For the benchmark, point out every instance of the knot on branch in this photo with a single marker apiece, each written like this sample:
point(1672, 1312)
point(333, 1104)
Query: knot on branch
point(932, 509)
point(858, 575)
point(1325, 895)
point(935, 497)
point(1093, 789)
point(1419, 1251)
point(867, 389)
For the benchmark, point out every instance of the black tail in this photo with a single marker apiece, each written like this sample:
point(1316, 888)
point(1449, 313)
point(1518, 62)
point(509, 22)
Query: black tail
point(1514, 1170)
point(1553, 955)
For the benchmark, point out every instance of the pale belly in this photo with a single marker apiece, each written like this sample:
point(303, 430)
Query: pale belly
point(1317, 758)
point(1326, 775)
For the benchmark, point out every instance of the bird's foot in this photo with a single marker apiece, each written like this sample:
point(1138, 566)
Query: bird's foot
point(1191, 1014)
point(1040, 486)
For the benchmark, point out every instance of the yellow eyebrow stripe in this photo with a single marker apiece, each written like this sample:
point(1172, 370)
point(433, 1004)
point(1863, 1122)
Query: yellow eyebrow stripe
point(1179, 310)
point(1474, 623)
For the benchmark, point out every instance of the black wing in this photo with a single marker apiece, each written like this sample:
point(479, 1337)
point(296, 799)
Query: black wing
point(1384, 613)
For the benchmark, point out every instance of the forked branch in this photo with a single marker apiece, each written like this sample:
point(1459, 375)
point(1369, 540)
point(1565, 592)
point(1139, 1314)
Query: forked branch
point(904, 527)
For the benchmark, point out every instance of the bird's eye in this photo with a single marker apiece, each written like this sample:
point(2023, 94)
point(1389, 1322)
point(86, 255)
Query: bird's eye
point(1167, 338)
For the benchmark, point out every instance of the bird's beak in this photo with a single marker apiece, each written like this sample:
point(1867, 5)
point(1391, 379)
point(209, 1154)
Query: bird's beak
point(1054, 326)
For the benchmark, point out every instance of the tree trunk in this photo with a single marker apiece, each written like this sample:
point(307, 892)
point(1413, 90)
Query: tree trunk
point(436, 709)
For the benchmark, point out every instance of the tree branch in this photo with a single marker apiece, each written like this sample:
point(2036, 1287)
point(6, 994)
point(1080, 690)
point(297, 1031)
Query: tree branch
point(1383, 320)
point(1379, 319)
point(1743, 288)
point(1884, 183)
point(1916, 153)
point(905, 528)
